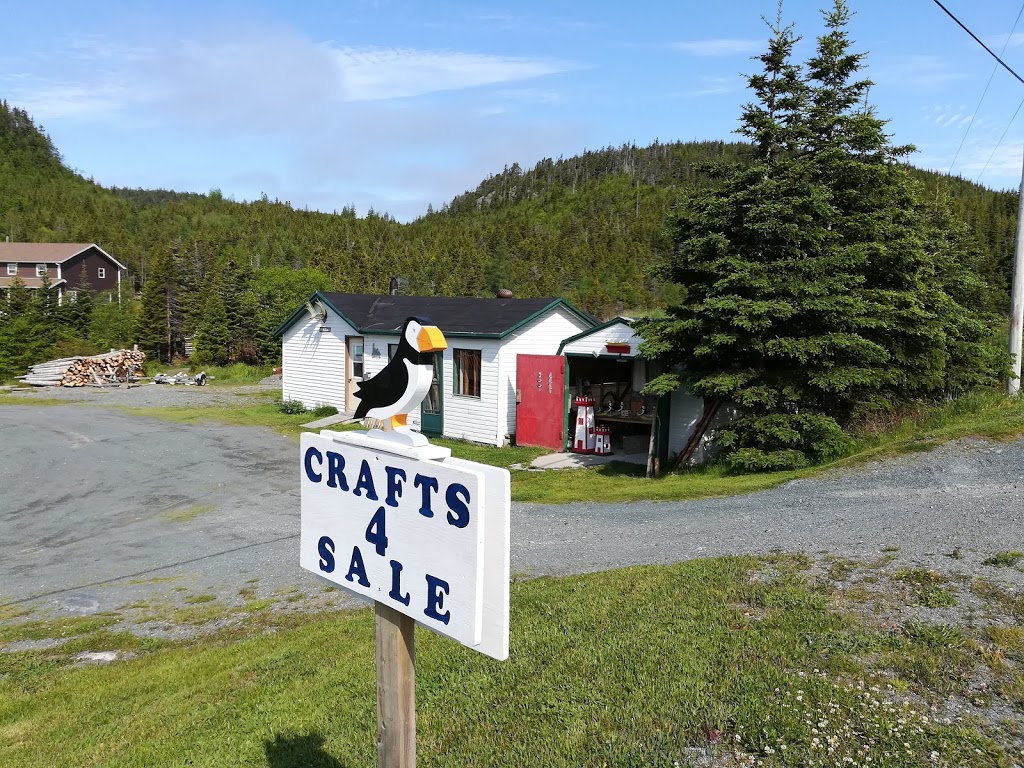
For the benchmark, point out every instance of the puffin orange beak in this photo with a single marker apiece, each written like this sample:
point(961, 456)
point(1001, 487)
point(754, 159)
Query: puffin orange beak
point(431, 339)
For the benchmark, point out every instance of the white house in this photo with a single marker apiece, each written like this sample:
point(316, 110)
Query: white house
point(342, 338)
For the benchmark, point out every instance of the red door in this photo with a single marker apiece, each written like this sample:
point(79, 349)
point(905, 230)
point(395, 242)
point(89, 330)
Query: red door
point(540, 397)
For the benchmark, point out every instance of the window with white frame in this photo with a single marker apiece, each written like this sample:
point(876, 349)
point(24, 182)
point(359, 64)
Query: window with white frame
point(12, 269)
point(40, 270)
point(101, 273)
point(467, 372)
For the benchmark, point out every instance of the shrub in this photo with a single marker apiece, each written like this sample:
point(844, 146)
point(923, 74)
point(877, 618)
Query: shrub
point(291, 407)
point(775, 442)
point(325, 410)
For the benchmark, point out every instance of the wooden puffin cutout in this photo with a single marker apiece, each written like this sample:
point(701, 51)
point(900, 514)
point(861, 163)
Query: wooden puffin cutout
point(403, 383)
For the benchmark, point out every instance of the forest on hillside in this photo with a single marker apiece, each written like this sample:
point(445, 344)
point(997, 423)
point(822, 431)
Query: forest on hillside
point(587, 228)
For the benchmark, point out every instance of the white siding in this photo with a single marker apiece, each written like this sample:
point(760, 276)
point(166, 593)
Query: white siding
point(541, 336)
point(686, 411)
point(313, 363)
point(595, 341)
point(473, 418)
point(465, 418)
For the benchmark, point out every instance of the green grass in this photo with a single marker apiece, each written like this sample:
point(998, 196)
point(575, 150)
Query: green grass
point(234, 374)
point(1006, 559)
point(926, 587)
point(7, 398)
point(624, 668)
point(626, 482)
point(255, 415)
point(187, 514)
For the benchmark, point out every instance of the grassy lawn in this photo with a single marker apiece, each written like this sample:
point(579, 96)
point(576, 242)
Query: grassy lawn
point(637, 667)
point(265, 414)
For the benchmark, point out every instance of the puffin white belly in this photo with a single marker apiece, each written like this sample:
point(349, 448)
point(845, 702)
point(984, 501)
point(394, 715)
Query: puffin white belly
point(420, 377)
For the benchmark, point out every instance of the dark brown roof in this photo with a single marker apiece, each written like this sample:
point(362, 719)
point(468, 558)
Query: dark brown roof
point(48, 253)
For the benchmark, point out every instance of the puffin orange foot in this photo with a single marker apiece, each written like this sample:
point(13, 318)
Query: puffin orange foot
point(399, 420)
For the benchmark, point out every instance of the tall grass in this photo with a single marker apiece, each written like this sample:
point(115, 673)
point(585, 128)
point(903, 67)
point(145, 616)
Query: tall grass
point(236, 373)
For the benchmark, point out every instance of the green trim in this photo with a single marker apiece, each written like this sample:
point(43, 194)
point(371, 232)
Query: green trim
point(664, 430)
point(539, 312)
point(294, 316)
point(565, 405)
point(602, 326)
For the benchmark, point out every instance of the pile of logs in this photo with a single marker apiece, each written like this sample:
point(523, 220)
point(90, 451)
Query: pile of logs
point(113, 368)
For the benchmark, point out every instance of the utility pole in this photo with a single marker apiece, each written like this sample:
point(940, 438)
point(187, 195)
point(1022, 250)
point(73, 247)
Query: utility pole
point(1017, 297)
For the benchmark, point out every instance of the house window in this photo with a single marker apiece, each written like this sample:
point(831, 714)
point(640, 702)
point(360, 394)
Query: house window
point(392, 351)
point(467, 372)
point(101, 273)
point(12, 269)
point(357, 361)
point(40, 270)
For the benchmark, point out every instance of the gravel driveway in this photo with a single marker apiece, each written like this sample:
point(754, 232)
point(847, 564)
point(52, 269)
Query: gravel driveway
point(100, 509)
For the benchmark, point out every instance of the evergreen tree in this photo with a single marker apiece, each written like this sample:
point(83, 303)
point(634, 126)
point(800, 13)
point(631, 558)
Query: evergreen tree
point(18, 298)
point(213, 333)
point(158, 322)
point(812, 298)
point(44, 299)
point(76, 314)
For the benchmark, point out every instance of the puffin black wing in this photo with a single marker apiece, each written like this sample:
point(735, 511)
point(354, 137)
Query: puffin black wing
point(383, 389)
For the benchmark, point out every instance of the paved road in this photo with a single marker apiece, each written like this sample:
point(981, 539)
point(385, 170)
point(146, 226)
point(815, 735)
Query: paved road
point(99, 509)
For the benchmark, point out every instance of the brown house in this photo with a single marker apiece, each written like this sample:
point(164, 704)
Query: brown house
point(68, 265)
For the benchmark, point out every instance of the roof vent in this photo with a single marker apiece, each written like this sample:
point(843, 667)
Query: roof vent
point(504, 293)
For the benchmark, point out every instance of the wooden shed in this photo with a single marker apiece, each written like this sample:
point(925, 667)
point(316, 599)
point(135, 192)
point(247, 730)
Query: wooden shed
point(602, 362)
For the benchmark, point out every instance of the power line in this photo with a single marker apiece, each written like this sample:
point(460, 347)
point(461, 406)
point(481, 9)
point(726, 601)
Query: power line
point(965, 29)
point(984, 93)
point(1000, 140)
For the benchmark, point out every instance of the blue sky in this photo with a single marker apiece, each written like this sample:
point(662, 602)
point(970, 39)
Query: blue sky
point(393, 105)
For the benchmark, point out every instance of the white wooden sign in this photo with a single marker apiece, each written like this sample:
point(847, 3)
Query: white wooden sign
point(428, 537)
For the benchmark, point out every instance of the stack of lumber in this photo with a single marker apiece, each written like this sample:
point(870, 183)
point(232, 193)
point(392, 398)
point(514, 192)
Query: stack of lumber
point(114, 367)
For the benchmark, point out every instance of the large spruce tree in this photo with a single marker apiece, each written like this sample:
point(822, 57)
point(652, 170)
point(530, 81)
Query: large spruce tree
point(818, 289)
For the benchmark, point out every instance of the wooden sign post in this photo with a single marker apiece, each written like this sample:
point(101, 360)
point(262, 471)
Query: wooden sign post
point(396, 688)
point(396, 520)
point(422, 534)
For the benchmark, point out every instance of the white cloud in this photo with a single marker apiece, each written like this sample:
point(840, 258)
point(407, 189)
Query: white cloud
point(372, 74)
point(720, 47)
point(916, 70)
point(712, 85)
point(1009, 41)
point(69, 100)
point(948, 116)
point(256, 73)
point(260, 109)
